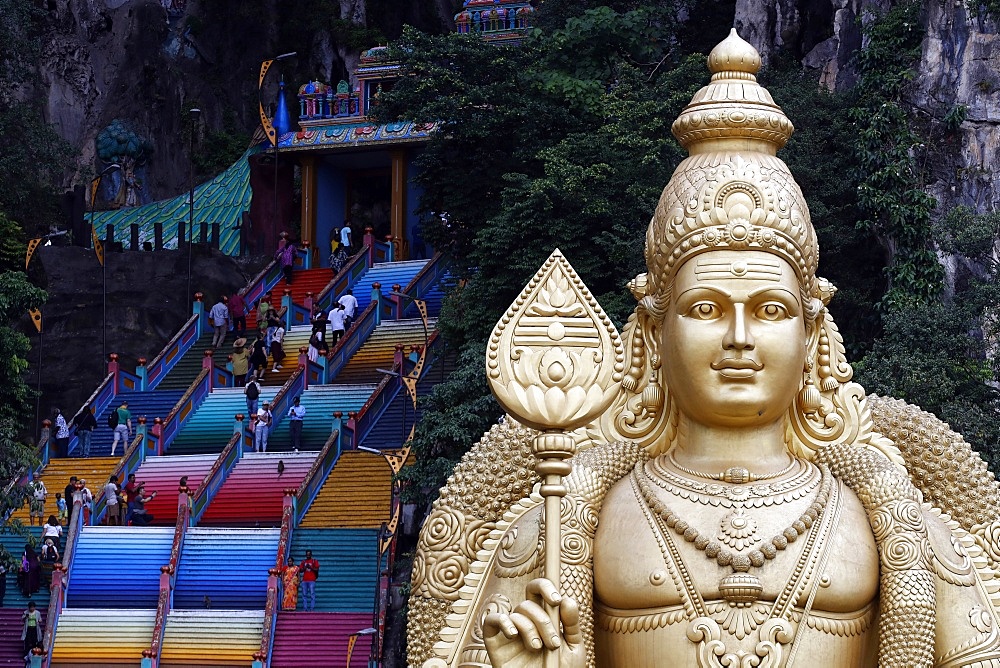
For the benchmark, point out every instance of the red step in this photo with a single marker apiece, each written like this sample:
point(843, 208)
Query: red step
point(163, 474)
point(319, 639)
point(303, 281)
point(253, 492)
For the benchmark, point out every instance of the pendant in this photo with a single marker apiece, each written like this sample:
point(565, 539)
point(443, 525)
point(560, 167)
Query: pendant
point(741, 588)
point(738, 530)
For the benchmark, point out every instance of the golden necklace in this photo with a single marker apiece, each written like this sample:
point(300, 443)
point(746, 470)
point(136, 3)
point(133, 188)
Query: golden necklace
point(742, 586)
point(734, 475)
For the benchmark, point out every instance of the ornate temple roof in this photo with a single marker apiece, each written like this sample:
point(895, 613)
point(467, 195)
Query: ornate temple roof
point(358, 135)
point(221, 200)
point(500, 21)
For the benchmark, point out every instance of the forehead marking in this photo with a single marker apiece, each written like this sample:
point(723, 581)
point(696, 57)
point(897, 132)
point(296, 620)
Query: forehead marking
point(707, 269)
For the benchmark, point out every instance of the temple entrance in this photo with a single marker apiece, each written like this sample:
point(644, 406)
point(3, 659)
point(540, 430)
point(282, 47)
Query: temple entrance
point(369, 201)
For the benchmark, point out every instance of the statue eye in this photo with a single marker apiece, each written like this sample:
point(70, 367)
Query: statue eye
point(772, 311)
point(705, 311)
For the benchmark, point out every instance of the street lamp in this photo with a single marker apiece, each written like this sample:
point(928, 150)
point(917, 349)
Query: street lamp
point(193, 115)
point(102, 257)
point(269, 129)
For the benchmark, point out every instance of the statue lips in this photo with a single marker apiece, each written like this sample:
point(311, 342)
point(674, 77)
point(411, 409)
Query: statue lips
point(737, 368)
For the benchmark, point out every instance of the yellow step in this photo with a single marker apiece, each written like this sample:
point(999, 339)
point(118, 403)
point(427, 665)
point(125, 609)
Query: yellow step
point(55, 476)
point(356, 495)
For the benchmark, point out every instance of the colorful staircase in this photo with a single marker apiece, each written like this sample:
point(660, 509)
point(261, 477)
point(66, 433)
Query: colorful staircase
point(253, 492)
point(355, 495)
point(118, 566)
point(56, 474)
point(102, 637)
point(211, 426)
point(155, 404)
point(225, 569)
point(295, 338)
point(387, 274)
point(320, 402)
point(211, 638)
point(348, 566)
point(379, 350)
point(14, 545)
point(319, 639)
point(163, 475)
point(189, 366)
point(303, 281)
point(11, 654)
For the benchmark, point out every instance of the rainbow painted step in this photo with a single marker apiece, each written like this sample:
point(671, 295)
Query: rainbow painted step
point(211, 638)
point(102, 637)
point(319, 639)
point(209, 429)
point(118, 566)
point(11, 647)
point(55, 476)
point(189, 366)
point(224, 569)
point(14, 545)
point(163, 475)
point(303, 281)
point(379, 350)
point(356, 494)
point(348, 567)
point(253, 492)
point(320, 402)
point(155, 404)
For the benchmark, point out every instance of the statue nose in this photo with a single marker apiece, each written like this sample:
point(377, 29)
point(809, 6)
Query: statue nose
point(738, 336)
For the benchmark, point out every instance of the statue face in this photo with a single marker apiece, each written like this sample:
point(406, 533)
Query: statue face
point(733, 342)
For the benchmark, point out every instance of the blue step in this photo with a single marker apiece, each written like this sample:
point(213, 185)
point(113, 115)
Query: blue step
point(348, 567)
point(211, 426)
point(320, 402)
point(14, 545)
point(386, 274)
point(118, 567)
point(228, 566)
point(155, 404)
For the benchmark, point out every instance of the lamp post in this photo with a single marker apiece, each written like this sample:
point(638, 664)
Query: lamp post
point(193, 115)
point(269, 129)
point(104, 260)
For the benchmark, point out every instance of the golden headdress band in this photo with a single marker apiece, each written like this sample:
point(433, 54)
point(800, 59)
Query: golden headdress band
point(732, 191)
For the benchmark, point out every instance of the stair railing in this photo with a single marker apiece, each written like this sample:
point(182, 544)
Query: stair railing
point(132, 459)
point(60, 582)
point(318, 473)
point(431, 274)
point(100, 399)
point(181, 342)
point(352, 341)
point(168, 576)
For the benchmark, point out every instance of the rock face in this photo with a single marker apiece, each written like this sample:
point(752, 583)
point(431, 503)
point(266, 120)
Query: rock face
point(148, 61)
point(958, 70)
point(145, 308)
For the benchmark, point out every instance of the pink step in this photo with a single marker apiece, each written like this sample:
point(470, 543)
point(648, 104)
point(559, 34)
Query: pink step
point(163, 474)
point(253, 492)
point(319, 639)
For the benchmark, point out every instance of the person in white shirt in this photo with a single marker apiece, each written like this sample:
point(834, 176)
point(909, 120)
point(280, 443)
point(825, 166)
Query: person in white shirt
point(295, 414)
point(262, 428)
point(336, 318)
point(220, 320)
point(345, 237)
point(350, 304)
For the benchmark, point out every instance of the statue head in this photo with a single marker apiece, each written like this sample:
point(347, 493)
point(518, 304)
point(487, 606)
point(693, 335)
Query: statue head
point(732, 216)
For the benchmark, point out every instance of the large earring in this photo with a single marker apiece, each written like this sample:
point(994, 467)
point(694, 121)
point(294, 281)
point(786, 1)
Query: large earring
point(810, 399)
point(652, 394)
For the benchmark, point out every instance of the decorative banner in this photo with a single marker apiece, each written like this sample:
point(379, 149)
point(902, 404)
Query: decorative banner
point(264, 120)
point(385, 540)
point(396, 458)
point(98, 246)
point(93, 192)
point(32, 245)
point(36, 318)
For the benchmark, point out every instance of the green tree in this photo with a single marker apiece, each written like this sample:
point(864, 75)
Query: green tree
point(17, 295)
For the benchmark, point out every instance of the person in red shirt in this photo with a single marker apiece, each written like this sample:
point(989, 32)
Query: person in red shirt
point(238, 312)
point(310, 572)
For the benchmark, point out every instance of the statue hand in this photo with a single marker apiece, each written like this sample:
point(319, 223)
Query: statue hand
point(521, 639)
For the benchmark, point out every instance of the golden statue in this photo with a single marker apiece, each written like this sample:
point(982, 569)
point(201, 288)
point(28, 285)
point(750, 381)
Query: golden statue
point(709, 489)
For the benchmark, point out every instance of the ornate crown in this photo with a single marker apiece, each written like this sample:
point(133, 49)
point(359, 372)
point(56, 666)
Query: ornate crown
point(732, 191)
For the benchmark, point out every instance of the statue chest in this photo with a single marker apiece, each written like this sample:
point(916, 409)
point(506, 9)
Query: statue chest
point(634, 569)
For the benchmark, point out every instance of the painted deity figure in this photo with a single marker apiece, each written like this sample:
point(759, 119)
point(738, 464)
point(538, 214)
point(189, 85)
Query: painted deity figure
point(741, 502)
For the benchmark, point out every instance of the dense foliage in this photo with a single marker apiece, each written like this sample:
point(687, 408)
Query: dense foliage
point(564, 142)
point(33, 159)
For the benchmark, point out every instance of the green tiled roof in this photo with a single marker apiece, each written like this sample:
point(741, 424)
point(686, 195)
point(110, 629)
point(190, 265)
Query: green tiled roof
point(221, 200)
